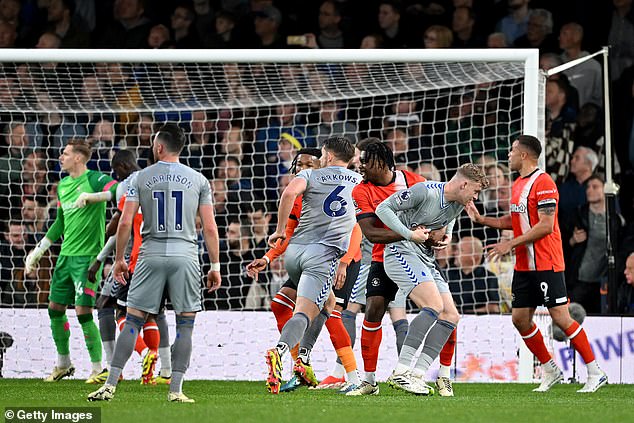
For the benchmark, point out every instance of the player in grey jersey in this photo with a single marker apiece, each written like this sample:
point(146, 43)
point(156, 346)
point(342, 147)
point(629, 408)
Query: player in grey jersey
point(410, 263)
point(318, 243)
point(170, 195)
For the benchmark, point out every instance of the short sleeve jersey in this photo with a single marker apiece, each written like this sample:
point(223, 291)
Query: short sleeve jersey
point(529, 194)
point(169, 195)
point(327, 215)
point(368, 196)
point(84, 228)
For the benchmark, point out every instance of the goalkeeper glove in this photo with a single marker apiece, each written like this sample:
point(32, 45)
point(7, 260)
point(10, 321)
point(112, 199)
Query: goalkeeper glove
point(33, 258)
point(94, 197)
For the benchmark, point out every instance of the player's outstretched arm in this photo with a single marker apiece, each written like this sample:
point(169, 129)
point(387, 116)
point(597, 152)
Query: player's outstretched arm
point(260, 264)
point(543, 227)
point(402, 200)
point(502, 222)
point(296, 187)
point(375, 234)
point(86, 198)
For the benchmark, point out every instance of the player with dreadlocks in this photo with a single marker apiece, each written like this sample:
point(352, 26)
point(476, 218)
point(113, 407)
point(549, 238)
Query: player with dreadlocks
point(382, 156)
point(283, 303)
point(380, 180)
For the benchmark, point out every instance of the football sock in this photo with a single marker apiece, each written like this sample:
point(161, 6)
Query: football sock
point(124, 347)
point(294, 329)
point(444, 371)
point(282, 308)
point(348, 359)
point(61, 336)
point(108, 331)
point(151, 335)
point(92, 338)
point(338, 333)
point(349, 320)
point(400, 329)
point(295, 352)
point(579, 341)
point(447, 352)
point(165, 352)
point(371, 334)
point(418, 328)
point(182, 351)
point(535, 342)
point(341, 342)
point(313, 331)
point(338, 370)
point(436, 338)
point(139, 346)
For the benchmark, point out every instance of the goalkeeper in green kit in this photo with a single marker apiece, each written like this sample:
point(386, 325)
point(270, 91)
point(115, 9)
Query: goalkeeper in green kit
point(81, 219)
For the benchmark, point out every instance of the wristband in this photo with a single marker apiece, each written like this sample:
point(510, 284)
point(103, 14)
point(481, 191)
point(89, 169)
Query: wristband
point(215, 267)
point(267, 259)
point(44, 244)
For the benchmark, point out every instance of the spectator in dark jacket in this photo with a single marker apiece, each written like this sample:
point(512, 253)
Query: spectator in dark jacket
point(626, 290)
point(588, 264)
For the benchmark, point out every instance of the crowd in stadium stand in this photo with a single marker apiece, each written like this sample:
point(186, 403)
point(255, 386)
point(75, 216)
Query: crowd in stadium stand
point(246, 155)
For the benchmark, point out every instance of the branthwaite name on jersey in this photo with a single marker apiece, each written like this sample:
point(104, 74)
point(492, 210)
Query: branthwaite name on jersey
point(169, 178)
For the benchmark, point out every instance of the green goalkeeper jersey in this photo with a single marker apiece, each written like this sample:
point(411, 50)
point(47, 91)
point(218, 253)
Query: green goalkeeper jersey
point(83, 228)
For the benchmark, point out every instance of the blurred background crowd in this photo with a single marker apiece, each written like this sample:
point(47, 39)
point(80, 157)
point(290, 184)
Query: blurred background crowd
point(246, 152)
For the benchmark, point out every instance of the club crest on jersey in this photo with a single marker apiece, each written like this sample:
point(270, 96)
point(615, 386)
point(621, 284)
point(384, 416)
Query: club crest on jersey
point(130, 192)
point(404, 196)
point(518, 208)
point(357, 209)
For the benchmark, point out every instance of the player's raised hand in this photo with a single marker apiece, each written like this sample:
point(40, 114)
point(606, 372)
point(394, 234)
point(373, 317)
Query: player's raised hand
point(255, 267)
point(496, 251)
point(120, 272)
point(420, 235)
point(213, 281)
point(93, 269)
point(579, 236)
point(473, 212)
point(275, 237)
point(340, 276)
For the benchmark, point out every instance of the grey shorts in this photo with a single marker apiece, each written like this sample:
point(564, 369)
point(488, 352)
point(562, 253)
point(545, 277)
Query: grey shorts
point(314, 267)
point(359, 290)
point(151, 275)
point(407, 269)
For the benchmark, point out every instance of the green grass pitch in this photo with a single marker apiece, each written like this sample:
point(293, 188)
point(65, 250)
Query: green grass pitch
point(249, 402)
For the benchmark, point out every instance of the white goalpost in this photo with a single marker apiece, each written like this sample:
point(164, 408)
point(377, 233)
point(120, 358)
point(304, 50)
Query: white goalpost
point(245, 113)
